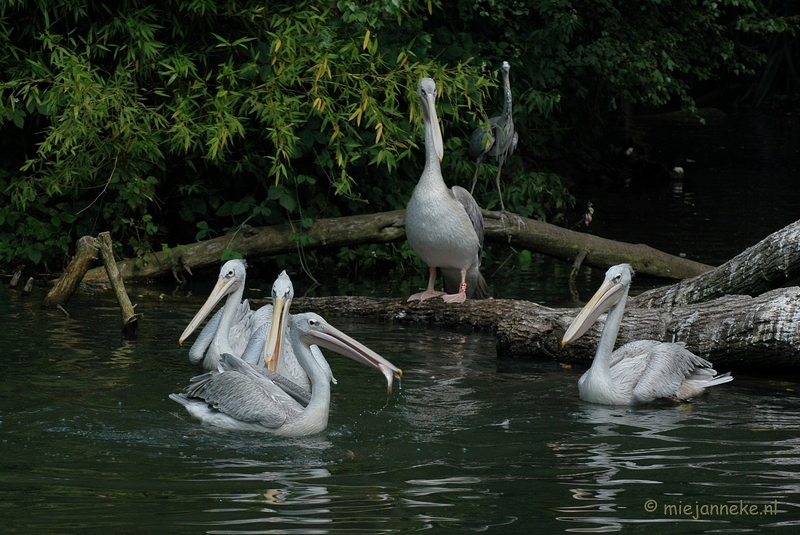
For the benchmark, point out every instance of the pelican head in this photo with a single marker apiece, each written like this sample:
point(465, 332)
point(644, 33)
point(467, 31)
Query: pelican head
point(231, 279)
point(282, 295)
point(311, 329)
point(614, 287)
point(427, 97)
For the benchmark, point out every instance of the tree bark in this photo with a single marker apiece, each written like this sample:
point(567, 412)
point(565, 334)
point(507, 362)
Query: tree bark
point(85, 255)
point(735, 331)
point(390, 226)
point(729, 330)
point(769, 264)
point(130, 320)
point(732, 332)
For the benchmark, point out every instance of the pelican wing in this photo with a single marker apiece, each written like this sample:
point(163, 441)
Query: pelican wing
point(239, 391)
point(668, 366)
point(242, 328)
point(254, 355)
point(473, 211)
point(628, 363)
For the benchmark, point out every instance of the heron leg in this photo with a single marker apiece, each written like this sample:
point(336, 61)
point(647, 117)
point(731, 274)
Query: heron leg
point(513, 218)
point(461, 296)
point(475, 177)
point(429, 292)
point(497, 180)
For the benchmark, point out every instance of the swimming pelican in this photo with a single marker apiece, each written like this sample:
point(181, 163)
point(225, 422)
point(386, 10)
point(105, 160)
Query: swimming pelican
point(231, 327)
point(238, 396)
point(639, 371)
point(444, 225)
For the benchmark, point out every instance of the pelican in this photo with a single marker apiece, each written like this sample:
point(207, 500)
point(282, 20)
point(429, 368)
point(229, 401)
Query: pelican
point(499, 140)
point(238, 396)
point(443, 225)
point(639, 371)
point(232, 327)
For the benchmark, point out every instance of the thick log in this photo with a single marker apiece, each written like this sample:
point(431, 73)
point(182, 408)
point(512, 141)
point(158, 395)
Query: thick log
point(385, 227)
point(567, 245)
point(85, 255)
point(769, 264)
point(130, 320)
point(733, 332)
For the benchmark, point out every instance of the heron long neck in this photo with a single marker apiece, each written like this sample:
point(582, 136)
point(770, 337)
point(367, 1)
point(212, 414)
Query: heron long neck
point(507, 94)
point(605, 348)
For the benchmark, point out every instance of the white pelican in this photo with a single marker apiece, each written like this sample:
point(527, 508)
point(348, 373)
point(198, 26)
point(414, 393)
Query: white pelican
point(639, 371)
point(238, 396)
point(232, 327)
point(444, 226)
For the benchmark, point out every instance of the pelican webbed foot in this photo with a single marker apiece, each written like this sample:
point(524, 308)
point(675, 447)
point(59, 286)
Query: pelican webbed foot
point(460, 297)
point(427, 294)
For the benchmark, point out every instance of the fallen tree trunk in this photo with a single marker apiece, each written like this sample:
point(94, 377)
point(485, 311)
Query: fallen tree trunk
point(729, 330)
point(769, 264)
point(386, 227)
point(735, 331)
point(732, 331)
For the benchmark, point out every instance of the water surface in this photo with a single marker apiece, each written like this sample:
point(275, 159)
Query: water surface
point(92, 444)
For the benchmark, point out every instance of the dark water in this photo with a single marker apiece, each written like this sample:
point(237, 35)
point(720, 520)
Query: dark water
point(92, 444)
point(743, 184)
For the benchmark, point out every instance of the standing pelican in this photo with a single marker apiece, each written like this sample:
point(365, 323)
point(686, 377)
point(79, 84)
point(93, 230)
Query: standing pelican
point(498, 140)
point(444, 226)
point(237, 396)
point(639, 371)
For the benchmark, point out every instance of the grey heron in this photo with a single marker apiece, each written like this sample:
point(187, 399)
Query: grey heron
point(444, 225)
point(498, 139)
point(639, 371)
point(238, 396)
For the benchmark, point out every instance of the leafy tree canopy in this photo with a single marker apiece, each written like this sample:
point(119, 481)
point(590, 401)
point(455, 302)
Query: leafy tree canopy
point(165, 122)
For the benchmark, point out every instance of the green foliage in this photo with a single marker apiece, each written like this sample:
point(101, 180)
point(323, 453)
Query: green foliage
point(166, 122)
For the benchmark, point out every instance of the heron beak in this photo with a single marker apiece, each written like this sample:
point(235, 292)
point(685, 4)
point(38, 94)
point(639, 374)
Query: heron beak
point(606, 297)
point(221, 289)
point(277, 329)
point(329, 337)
